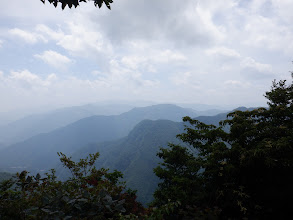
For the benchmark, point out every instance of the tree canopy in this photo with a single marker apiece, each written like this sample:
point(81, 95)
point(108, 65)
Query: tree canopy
point(88, 194)
point(76, 3)
point(246, 172)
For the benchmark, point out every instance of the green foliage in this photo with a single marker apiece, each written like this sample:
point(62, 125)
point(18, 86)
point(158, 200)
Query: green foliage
point(179, 172)
point(88, 194)
point(246, 172)
point(76, 3)
point(175, 210)
point(135, 155)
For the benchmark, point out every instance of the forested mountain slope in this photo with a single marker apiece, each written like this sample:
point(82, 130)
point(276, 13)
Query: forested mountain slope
point(39, 152)
point(135, 155)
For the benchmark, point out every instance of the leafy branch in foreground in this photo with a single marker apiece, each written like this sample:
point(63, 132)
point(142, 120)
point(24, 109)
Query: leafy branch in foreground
point(90, 193)
point(76, 3)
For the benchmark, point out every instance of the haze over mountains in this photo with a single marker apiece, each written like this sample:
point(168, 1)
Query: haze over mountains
point(34, 124)
point(87, 130)
point(135, 155)
point(127, 142)
point(31, 125)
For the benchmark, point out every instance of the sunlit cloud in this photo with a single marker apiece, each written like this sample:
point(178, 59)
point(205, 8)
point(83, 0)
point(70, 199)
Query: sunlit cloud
point(27, 36)
point(222, 51)
point(54, 59)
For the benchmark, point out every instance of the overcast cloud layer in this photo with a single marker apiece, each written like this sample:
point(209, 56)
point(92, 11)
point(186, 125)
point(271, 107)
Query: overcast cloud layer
point(206, 51)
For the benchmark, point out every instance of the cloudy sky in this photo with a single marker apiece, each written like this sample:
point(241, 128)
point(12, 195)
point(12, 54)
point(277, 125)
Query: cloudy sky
point(203, 51)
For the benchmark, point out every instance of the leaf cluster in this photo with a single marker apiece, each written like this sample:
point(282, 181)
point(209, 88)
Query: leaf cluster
point(246, 172)
point(88, 194)
point(76, 3)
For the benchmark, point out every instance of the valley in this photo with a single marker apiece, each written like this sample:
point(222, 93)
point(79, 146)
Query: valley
point(127, 142)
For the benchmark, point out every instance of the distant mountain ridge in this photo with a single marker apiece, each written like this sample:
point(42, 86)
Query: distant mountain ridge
point(219, 117)
point(32, 125)
point(40, 150)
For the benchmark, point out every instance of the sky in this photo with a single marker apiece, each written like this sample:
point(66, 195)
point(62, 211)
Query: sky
point(224, 53)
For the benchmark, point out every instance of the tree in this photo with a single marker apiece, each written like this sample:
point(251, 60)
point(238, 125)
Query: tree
point(76, 3)
point(88, 194)
point(246, 172)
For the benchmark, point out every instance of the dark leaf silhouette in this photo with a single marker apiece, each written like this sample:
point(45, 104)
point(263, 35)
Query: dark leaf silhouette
point(76, 3)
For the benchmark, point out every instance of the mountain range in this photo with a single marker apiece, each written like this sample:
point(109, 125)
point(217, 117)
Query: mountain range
point(34, 124)
point(39, 152)
point(127, 142)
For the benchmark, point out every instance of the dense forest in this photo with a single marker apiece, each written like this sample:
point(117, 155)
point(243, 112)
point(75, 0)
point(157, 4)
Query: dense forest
point(240, 169)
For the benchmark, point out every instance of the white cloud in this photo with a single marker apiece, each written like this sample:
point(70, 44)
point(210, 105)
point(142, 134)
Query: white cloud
point(149, 58)
point(52, 77)
point(237, 84)
point(185, 79)
point(168, 56)
point(269, 32)
point(188, 24)
point(27, 36)
point(24, 75)
point(24, 81)
point(222, 51)
point(96, 73)
point(1, 43)
point(254, 70)
point(218, 6)
point(83, 41)
point(284, 8)
point(122, 75)
point(248, 62)
point(80, 39)
point(257, 5)
point(134, 62)
point(207, 25)
point(54, 59)
point(52, 34)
